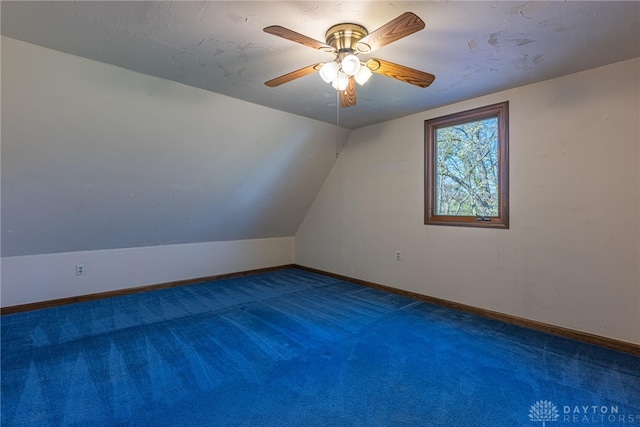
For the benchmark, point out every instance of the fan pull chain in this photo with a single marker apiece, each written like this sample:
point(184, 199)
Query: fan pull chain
point(337, 124)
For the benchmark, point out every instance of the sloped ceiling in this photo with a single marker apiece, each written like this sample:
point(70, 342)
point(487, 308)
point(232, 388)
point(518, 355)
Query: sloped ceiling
point(473, 48)
point(99, 157)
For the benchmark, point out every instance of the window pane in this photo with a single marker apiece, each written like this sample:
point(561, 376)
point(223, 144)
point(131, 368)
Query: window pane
point(467, 169)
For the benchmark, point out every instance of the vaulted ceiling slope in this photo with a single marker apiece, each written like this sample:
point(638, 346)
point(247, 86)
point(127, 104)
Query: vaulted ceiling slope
point(99, 157)
point(473, 48)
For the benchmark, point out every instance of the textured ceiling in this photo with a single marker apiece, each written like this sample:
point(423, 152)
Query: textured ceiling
point(473, 48)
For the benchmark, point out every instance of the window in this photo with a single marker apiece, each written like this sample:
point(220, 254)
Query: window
point(467, 167)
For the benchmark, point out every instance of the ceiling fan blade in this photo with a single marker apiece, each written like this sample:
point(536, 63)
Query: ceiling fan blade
point(293, 75)
point(348, 96)
point(400, 72)
point(288, 34)
point(404, 25)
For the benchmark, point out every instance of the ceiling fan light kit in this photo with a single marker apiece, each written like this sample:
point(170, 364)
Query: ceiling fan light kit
point(348, 40)
point(346, 66)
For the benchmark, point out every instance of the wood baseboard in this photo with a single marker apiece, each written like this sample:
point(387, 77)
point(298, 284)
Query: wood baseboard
point(611, 343)
point(108, 294)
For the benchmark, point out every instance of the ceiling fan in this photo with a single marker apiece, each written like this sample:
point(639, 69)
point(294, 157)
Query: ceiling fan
point(346, 41)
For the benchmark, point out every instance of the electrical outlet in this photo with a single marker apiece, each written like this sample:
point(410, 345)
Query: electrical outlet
point(398, 255)
point(79, 269)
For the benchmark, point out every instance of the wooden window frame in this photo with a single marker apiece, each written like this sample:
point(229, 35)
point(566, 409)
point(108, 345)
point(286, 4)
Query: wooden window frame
point(499, 110)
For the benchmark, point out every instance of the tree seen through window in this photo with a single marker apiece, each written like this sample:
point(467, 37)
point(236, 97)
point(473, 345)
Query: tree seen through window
point(467, 169)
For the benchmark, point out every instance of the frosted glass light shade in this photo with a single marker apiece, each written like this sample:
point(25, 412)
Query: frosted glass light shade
point(329, 71)
point(350, 65)
point(341, 82)
point(362, 75)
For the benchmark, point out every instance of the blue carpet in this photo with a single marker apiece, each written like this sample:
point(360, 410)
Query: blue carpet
point(293, 348)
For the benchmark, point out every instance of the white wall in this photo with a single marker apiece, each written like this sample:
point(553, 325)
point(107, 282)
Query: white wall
point(34, 278)
point(571, 257)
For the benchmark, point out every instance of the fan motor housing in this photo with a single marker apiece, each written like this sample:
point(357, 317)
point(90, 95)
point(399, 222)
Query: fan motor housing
point(343, 37)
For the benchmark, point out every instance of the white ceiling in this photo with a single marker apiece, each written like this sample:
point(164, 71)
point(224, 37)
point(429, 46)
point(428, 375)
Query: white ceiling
point(473, 48)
